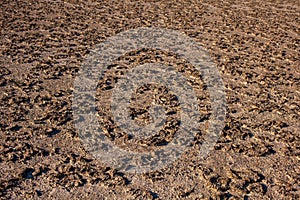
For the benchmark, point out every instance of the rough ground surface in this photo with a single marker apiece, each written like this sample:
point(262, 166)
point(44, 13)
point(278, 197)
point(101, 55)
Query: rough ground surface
point(255, 45)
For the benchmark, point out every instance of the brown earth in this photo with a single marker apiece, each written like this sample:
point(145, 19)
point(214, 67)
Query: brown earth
point(255, 45)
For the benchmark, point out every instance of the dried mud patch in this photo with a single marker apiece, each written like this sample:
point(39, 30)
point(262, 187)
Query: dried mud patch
point(255, 45)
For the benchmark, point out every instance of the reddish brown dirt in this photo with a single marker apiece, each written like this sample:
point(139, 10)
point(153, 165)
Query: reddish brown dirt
point(255, 45)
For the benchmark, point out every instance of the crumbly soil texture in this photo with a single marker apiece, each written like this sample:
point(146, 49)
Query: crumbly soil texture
point(255, 47)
